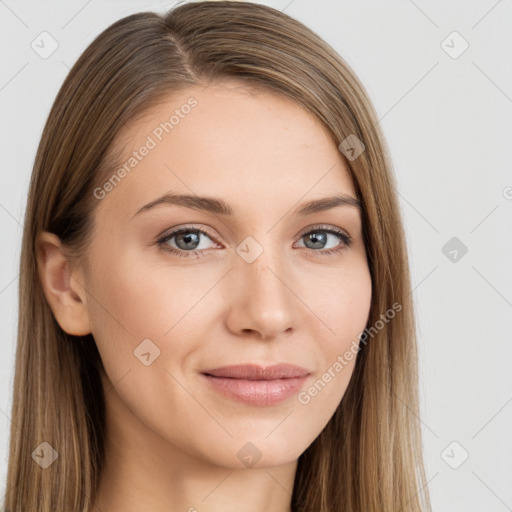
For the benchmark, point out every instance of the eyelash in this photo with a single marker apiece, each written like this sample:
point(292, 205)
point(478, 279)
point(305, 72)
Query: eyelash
point(162, 242)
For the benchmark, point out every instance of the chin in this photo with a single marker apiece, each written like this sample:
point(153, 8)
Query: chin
point(254, 454)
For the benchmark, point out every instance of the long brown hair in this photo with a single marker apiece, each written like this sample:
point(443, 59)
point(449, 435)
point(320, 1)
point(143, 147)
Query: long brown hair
point(369, 456)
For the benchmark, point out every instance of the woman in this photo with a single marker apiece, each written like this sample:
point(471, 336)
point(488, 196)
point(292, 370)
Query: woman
point(273, 367)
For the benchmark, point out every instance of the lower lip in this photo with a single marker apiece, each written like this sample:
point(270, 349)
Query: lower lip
point(256, 392)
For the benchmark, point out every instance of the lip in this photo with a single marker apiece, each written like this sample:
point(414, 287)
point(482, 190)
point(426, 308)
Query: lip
point(257, 385)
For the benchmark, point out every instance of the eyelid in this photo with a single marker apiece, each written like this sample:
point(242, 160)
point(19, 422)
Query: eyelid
point(323, 227)
point(169, 233)
point(304, 231)
point(342, 234)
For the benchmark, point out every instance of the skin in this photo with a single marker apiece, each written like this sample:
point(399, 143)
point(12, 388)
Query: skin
point(172, 443)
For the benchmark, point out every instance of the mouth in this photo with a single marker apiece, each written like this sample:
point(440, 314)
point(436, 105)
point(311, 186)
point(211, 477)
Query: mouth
point(256, 385)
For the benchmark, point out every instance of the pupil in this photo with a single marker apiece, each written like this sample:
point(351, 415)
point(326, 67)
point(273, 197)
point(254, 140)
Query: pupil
point(188, 238)
point(318, 239)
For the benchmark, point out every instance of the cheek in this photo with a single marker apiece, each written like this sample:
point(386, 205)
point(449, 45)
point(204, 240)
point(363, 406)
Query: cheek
point(135, 300)
point(344, 308)
point(341, 302)
point(345, 311)
point(126, 306)
point(132, 297)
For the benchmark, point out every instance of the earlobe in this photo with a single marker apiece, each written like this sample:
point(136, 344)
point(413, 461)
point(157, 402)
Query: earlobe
point(62, 285)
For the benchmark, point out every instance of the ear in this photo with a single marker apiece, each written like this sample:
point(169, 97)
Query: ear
point(62, 286)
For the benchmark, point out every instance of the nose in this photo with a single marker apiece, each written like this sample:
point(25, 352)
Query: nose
point(262, 302)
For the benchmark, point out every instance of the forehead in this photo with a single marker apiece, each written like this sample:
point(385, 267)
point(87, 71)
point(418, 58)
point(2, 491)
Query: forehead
point(228, 140)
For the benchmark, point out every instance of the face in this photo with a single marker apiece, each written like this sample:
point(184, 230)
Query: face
point(261, 284)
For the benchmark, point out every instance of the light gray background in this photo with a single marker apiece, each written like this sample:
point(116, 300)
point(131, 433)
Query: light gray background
point(448, 124)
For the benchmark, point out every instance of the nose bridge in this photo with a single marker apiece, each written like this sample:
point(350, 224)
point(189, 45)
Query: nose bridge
point(261, 265)
point(261, 261)
point(263, 300)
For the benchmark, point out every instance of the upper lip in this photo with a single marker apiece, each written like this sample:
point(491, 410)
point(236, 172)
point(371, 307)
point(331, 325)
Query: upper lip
point(256, 372)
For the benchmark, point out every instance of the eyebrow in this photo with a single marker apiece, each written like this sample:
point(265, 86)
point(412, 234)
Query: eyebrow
point(218, 206)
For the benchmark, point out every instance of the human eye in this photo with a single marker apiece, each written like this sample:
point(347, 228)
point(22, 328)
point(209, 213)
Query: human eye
point(187, 241)
point(185, 236)
point(319, 235)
